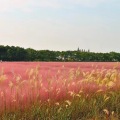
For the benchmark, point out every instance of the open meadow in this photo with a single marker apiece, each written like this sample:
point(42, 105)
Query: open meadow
point(59, 91)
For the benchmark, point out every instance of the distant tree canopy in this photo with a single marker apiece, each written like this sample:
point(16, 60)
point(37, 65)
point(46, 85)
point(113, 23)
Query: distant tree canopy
point(11, 53)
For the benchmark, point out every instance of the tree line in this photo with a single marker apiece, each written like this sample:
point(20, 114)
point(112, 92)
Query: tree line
point(12, 53)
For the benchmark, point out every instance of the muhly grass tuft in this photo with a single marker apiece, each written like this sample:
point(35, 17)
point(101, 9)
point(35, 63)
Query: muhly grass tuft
point(66, 95)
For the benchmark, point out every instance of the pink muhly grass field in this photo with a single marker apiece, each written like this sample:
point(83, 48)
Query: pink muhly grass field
point(27, 83)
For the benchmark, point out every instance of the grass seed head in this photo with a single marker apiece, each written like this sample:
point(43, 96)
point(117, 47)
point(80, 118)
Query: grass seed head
point(14, 100)
point(71, 93)
point(57, 103)
point(112, 113)
point(3, 78)
point(11, 84)
point(78, 95)
point(106, 98)
point(81, 91)
point(99, 91)
point(106, 111)
point(2, 93)
point(68, 102)
point(59, 110)
point(111, 84)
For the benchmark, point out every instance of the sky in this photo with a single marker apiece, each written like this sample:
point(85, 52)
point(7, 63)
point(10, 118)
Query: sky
point(61, 24)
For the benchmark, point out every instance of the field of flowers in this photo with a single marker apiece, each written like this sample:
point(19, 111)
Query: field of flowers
point(59, 91)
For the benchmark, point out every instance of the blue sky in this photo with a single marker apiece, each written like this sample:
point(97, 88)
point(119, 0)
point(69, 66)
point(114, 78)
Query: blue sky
point(61, 24)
